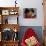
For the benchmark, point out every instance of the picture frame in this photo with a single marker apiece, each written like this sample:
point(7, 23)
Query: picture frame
point(30, 12)
point(13, 12)
point(5, 12)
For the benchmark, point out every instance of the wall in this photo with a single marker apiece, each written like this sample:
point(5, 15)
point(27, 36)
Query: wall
point(27, 4)
point(37, 29)
point(32, 22)
point(28, 22)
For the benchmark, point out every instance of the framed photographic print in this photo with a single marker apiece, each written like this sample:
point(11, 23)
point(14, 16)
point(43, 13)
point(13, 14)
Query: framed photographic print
point(13, 12)
point(29, 12)
point(5, 12)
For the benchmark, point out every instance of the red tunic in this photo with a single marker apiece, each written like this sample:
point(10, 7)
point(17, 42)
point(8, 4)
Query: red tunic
point(29, 33)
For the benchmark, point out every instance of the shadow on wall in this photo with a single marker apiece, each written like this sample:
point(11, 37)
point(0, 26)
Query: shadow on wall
point(37, 29)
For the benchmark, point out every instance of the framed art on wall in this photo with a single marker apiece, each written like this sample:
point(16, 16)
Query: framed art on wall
point(5, 12)
point(29, 12)
point(13, 12)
